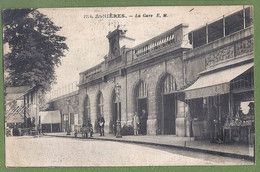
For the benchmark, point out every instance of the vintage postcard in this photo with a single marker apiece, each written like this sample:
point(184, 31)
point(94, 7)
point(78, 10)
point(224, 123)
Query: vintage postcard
point(129, 86)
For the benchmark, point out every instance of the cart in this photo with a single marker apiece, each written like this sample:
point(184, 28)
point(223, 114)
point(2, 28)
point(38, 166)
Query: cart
point(84, 131)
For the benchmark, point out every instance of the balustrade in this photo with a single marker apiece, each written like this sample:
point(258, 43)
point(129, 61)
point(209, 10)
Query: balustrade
point(154, 44)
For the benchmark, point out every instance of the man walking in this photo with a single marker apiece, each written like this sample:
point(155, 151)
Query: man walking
point(101, 124)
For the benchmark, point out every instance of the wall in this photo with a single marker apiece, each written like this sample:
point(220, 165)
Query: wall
point(61, 105)
point(152, 74)
point(227, 48)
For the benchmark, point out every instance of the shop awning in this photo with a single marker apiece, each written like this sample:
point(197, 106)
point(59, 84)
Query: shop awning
point(214, 83)
point(50, 117)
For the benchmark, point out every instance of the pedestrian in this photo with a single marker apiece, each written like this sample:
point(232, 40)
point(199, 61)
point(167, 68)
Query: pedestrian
point(84, 130)
point(90, 128)
point(39, 129)
point(213, 123)
point(114, 127)
point(136, 121)
point(101, 124)
point(251, 111)
point(143, 120)
point(251, 115)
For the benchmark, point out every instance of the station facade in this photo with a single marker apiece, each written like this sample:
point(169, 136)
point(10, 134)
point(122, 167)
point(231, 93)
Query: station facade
point(149, 75)
point(165, 75)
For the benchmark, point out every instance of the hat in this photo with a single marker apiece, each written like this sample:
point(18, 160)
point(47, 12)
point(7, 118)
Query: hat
point(251, 104)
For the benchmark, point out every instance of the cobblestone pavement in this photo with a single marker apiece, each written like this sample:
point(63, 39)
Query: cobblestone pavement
point(46, 151)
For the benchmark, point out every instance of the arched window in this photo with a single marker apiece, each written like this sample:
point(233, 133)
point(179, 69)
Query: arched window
point(142, 90)
point(168, 84)
point(100, 104)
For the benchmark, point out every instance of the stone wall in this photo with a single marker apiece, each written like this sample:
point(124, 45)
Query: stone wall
point(152, 75)
point(61, 105)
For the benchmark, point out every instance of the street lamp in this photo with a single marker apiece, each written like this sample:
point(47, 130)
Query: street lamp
point(118, 121)
point(68, 123)
point(36, 106)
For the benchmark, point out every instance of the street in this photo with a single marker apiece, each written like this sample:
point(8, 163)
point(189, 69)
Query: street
point(47, 151)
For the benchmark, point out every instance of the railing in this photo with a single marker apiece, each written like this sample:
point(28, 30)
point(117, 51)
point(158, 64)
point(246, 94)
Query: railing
point(241, 83)
point(221, 27)
point(18, 110)
point(61, 91)
point(154, 44)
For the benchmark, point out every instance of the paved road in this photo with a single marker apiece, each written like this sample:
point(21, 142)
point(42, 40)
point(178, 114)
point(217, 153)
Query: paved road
point(53, 151)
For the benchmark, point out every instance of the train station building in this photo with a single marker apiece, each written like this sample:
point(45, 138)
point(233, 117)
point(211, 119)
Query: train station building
point(177, 78)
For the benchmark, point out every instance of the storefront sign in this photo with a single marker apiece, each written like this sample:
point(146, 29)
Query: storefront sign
point(65, 117)
point(76, 119)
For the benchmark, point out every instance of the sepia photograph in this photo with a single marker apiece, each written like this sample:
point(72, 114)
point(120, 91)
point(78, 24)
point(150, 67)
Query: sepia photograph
point(129, 86)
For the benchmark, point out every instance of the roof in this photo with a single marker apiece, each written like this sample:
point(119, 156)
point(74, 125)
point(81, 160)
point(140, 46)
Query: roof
point(13, 93)
point(16, 90)
point(10, 97)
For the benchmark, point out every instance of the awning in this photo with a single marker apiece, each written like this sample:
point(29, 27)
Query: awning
point(50, 117)
point(214, 83)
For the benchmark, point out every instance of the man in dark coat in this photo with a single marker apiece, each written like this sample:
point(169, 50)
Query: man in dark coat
point(101, 124)
point(143, 121)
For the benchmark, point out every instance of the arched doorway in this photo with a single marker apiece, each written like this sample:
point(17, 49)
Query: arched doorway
point(168, 104)
point(86, 115)
point(141, 105)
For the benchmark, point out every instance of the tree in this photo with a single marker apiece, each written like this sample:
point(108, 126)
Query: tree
point(35, 49)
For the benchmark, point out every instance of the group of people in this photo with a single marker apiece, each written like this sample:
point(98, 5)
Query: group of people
point(88, 128)
point(216, 134)
point(139, 122)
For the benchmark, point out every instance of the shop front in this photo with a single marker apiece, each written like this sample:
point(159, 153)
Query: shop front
point(50, 121)
point(221, 103)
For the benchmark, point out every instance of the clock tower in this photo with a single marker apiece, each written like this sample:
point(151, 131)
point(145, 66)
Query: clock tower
point(117, 39)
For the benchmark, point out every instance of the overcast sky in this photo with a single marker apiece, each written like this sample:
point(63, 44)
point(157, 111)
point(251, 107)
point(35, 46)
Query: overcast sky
point(86, 37)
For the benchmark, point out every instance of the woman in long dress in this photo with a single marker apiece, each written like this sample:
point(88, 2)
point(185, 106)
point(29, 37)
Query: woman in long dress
point(136, 124)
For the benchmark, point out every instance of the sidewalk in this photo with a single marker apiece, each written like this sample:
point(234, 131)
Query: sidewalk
point(186, 143)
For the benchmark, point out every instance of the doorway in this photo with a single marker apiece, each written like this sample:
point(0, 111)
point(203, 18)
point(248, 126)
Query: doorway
point(142, 105)
point(141, 95)
point(169, 114)
point(115, 115)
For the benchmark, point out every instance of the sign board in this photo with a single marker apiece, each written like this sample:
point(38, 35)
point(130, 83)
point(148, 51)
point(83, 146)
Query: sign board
point(65, 117)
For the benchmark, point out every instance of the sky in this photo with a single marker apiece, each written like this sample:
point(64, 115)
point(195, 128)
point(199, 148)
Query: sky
point(86, 37)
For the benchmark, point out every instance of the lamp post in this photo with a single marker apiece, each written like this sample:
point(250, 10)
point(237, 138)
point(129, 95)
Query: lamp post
point(118, 121)
point(68, 124)
point(36, 119)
